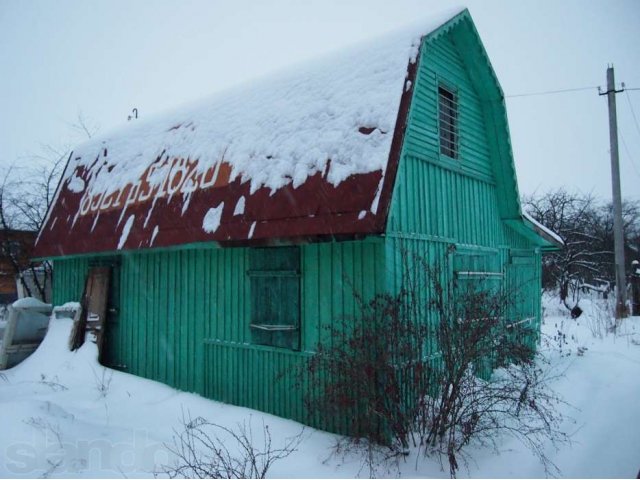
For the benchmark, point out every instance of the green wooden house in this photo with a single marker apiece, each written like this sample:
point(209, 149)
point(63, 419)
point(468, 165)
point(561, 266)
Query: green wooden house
point(236, 229)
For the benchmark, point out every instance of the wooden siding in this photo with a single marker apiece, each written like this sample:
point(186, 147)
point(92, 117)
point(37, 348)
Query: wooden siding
point(440, 203)
point(436, 195)
point(68, 279)
point(404, 255)
point(441, 63)
point(432, 200)
point(524, 281)
point(184, 318)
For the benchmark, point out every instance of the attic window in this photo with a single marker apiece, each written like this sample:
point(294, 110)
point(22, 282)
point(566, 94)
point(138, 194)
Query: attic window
point(448, 121)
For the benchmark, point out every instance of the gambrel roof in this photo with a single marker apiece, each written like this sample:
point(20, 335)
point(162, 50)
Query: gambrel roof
point(311, 152)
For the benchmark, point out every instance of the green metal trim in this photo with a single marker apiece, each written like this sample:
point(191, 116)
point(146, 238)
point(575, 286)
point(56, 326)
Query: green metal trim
point(420, 236)
point(466, 274)
point(273, 273)
point(452, 164)
point(374, 238)
point(448, 25)
point(465, 248)
point(210, 342)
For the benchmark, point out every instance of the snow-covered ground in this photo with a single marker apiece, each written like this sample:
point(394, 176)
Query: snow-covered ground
point(63, 415)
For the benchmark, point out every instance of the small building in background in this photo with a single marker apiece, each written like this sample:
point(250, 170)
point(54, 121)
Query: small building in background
point(16, 249)
point(226, 237)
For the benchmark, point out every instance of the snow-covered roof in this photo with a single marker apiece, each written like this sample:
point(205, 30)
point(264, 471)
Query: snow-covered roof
point(303, 153)
point(543, 231)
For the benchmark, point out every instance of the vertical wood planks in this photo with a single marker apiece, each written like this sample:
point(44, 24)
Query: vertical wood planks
point(184, 318)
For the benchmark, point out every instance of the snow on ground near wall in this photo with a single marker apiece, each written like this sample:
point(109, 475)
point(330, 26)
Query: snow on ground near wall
point(602, 386)
point(52, 412)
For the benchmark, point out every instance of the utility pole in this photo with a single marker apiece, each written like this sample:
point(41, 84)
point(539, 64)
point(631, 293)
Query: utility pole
point(618, 234)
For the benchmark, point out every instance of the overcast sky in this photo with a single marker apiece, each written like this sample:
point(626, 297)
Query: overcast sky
point(102, 58)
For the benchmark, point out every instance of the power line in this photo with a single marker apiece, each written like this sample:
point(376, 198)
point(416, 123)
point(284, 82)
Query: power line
point(566, 90)
point(633, 164)
point(551, 92)
point(635, 119)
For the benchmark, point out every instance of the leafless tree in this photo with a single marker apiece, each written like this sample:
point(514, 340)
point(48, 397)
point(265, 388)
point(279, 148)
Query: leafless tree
point(26, 193)
point(586, 226)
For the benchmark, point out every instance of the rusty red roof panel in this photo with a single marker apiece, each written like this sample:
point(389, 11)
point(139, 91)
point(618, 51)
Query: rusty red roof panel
point(314, 209)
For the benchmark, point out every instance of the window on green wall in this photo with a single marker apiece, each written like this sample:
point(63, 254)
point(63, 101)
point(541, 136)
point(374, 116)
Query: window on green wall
point(523, 281)
point(275, 296)
point(448, 121)
point(477, 271)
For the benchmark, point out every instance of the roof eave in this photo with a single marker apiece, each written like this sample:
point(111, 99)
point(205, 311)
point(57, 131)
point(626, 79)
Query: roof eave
point(535, 233)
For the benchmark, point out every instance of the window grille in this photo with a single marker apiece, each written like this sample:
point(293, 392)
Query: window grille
point(448, 121)
point(274, 274)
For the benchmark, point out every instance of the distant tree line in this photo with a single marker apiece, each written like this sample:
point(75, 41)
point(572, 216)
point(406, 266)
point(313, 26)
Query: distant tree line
point(585, 224)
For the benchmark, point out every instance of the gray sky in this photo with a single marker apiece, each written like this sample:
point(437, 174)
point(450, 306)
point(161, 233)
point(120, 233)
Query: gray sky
point(103, 58)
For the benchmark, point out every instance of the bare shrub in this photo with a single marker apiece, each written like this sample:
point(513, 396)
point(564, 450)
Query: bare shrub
point(27, 190)
point(601, 319)
point(46, 428)
point(52, 383)
point(103, 381)
point(382, 372)
point(368, 361)
point(204, 449)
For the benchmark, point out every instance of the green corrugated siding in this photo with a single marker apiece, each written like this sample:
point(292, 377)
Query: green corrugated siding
point(438, 201)
point(184, 318)
point(68, 279)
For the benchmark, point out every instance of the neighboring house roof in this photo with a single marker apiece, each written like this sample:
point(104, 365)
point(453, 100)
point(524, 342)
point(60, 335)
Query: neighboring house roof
point(308, 152)
point(18, 231)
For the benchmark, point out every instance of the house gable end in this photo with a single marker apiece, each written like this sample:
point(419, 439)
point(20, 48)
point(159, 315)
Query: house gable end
point(464, 198)
point(495, 114)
